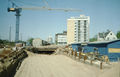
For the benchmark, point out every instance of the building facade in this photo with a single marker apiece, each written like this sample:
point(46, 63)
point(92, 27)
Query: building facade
point(37, 42)
point(109, 48)
point(78, 29)
point(50, 40)
point(61, 38)
point(106, 36)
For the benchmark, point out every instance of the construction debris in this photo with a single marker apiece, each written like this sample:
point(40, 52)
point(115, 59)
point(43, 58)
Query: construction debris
point(89, 58)
point(9, 60)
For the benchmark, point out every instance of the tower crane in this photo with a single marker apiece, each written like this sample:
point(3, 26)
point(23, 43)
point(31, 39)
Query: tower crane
point(18, 10)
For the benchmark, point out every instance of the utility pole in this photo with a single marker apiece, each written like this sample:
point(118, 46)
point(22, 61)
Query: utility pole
point(10, 34)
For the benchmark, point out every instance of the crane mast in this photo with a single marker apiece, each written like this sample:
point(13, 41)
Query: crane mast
point(17, 10)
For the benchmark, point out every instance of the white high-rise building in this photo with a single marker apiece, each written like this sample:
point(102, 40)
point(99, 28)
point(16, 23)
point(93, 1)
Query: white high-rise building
point(78, 29)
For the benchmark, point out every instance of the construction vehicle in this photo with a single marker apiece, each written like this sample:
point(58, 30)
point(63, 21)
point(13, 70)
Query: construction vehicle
point(17, 9)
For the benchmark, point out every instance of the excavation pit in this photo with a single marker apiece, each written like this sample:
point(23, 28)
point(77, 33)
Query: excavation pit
point(45, 52)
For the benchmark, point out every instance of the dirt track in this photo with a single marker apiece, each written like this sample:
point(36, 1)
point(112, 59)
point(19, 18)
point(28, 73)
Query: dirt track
point(37, 65)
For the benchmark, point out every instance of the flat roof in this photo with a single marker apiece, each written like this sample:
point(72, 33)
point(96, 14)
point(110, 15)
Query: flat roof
point(104, 42)
point(97, 42)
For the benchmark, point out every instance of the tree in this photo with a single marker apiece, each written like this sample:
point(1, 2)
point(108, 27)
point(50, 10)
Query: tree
point(30, 41)
point(4, 43)
point(118, 34)
point(93, 39)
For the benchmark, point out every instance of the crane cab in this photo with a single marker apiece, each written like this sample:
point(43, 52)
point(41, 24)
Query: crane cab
point(11, 9)
point(14, 9)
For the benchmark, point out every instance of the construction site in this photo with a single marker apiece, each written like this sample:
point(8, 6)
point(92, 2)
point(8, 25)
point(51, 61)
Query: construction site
point(54, 62)
point(76, 58)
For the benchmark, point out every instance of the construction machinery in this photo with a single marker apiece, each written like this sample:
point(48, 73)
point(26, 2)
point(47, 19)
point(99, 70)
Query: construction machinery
point(18, 10)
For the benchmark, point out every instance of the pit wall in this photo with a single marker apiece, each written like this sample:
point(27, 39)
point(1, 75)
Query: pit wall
point(9, 63)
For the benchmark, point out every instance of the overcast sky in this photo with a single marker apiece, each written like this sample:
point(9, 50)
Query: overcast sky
point(104, 14)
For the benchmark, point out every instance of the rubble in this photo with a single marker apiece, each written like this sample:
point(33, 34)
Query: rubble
point(88, 58)
point(9, 61)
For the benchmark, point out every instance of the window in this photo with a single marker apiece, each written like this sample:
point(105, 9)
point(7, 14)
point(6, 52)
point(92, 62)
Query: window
point(84, 26)
point(110, 33)
point(85, 22)
point(79, 40)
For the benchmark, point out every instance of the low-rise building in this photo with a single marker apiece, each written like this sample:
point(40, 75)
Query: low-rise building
point(106, 36)
point(109, 48)
point(61, 38)
point(50, 40)
point(39, 42)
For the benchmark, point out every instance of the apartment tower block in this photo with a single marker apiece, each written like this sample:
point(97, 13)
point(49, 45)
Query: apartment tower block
point(78, 29)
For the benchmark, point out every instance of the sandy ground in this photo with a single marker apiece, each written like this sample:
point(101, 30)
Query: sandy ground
point(37, 65)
